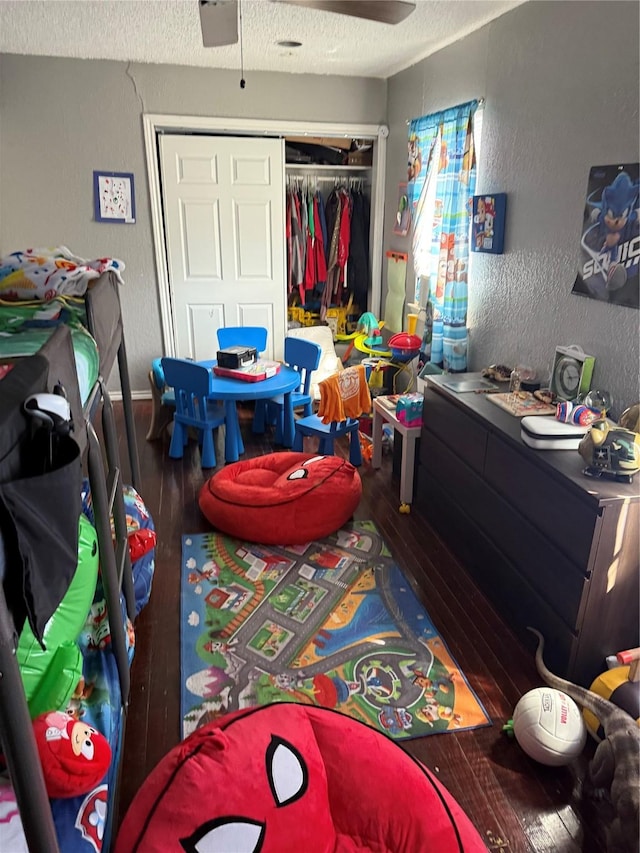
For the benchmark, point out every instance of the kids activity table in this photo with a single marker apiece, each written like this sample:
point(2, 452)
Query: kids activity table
point(231, 391)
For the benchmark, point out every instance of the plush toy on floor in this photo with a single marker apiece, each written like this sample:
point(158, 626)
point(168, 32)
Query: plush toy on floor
point(287, 778)
point(74, 756)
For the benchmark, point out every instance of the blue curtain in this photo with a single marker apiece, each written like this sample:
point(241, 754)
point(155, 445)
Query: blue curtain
point(441, 184)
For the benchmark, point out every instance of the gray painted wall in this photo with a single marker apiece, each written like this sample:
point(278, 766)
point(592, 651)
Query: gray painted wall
point(63, 118)
point(561, 86)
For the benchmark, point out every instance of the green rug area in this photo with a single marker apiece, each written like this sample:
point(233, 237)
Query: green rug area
point(332, 623)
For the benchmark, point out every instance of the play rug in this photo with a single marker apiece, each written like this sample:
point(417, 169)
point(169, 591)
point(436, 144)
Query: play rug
point(332, 623)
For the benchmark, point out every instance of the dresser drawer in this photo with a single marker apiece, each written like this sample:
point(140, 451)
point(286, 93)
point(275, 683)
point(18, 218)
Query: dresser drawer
point(513, 597)
point(566, 520)
point(557, 580)
point(463, 434)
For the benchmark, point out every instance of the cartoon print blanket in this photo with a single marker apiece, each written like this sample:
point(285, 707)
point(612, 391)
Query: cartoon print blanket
point(46, 273)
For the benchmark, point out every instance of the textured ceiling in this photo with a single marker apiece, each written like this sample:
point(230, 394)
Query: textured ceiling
point(168, 31)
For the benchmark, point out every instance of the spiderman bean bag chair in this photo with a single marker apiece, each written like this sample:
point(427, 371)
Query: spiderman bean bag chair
point(288, 778)
point(282, 498)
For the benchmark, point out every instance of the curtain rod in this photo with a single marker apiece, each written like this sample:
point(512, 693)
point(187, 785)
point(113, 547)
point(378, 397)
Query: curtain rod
point(480, 104)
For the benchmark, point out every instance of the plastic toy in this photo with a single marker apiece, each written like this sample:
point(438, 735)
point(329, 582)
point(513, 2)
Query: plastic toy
point(620, 685)
point(404, 347)
point(548, 726)
point(74, 756)
point(630, 418)
point(50, 675)
point(610, 451)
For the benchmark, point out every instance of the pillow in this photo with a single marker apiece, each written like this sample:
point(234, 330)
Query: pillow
point(291, 777)
point(282, 498)
point(74, 756)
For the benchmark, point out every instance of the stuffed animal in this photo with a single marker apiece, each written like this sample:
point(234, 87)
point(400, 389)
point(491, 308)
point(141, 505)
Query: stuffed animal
point(74, 756)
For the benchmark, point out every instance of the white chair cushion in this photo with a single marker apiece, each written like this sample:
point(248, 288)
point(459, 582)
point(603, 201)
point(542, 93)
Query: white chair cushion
point(329, 361)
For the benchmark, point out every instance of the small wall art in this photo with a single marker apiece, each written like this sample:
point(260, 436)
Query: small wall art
point(487, 225)
point(113, 197)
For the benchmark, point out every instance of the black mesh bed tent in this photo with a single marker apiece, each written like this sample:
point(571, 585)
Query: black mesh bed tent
point(22, 574)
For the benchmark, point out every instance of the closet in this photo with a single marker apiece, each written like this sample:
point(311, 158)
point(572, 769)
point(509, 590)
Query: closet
point(200, 210)
point(328, 229)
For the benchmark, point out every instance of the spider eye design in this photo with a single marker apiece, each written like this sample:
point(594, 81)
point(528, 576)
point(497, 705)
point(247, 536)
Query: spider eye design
point(286, 771)
point(298, 474)
point(312, 460)
point(224, 834)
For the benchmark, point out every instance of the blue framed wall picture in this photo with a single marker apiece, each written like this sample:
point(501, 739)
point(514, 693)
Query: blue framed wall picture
point(114, 197)
point(487, 223)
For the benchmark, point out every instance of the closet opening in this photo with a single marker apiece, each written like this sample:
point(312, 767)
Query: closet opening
point(343, 159)
point(328, 230)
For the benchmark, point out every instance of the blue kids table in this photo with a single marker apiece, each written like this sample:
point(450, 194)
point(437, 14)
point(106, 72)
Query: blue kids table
point(232, 391)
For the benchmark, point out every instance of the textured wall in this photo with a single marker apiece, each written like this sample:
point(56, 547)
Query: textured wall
point(63, 118)
point(561, 86)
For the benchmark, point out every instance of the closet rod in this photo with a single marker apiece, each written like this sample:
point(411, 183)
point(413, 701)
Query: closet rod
point(337, 179)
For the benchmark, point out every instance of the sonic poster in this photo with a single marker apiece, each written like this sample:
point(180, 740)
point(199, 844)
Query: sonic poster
point(610, 242)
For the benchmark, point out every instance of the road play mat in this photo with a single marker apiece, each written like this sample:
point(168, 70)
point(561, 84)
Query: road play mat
point(332, 623)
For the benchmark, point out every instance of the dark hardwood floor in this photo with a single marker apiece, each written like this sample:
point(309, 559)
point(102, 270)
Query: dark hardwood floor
point(516, 804)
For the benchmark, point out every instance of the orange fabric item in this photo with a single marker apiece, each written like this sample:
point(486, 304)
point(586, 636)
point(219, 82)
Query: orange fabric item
point(344, 395)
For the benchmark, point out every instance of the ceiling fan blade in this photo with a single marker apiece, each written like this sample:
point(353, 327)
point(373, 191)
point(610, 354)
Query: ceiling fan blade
point(384, 11)
point(219, 22)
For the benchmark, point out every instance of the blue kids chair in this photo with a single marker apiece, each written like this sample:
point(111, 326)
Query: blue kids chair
point(327, 433)
point(163, 401)
point(243, 336)
point(191, 383)
point(303, 356)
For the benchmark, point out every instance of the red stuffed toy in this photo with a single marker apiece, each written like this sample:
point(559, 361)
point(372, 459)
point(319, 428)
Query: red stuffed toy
point(74, 756)
point(288, 778)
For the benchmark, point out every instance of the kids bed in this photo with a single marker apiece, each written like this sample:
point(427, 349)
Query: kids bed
point(64, 354)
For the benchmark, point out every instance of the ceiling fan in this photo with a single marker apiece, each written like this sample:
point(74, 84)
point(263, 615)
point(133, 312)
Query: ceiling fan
point(219, 18)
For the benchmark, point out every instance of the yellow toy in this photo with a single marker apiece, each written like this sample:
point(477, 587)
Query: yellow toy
point(620, 685)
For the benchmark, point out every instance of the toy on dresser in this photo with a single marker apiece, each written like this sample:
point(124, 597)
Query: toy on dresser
point(611, 451)
point(409, 409)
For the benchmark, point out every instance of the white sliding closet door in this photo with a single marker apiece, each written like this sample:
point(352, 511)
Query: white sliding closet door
point(223, 200)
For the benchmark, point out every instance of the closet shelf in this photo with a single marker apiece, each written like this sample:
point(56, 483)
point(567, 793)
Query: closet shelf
point(310, 167)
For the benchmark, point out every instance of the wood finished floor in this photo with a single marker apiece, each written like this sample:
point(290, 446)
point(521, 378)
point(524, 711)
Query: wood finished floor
point(517, 805)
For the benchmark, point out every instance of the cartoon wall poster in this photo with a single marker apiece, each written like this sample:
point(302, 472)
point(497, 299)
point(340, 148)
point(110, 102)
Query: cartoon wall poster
point(113, 197)
point(609, 258)
point(487, 223)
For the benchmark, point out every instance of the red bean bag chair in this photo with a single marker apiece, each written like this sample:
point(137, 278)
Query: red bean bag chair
point(282, 498)
point(290, 778)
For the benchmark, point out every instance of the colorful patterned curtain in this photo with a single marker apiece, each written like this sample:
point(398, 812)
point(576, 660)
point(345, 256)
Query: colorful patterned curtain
point(441, 184)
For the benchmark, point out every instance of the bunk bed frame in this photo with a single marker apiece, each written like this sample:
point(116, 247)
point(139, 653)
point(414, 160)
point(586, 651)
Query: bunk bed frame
point(104, 319)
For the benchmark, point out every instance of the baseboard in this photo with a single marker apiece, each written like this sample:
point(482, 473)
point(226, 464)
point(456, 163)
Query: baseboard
point(116, 396)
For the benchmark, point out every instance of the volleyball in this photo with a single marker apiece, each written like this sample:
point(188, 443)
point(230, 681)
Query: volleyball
point(549, 727)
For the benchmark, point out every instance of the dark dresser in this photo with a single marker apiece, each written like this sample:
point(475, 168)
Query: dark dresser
point(549, 546)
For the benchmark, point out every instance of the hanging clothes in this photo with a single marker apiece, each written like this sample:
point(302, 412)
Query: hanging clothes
point(358, 276)
point(318, 249)
point(344, 236)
